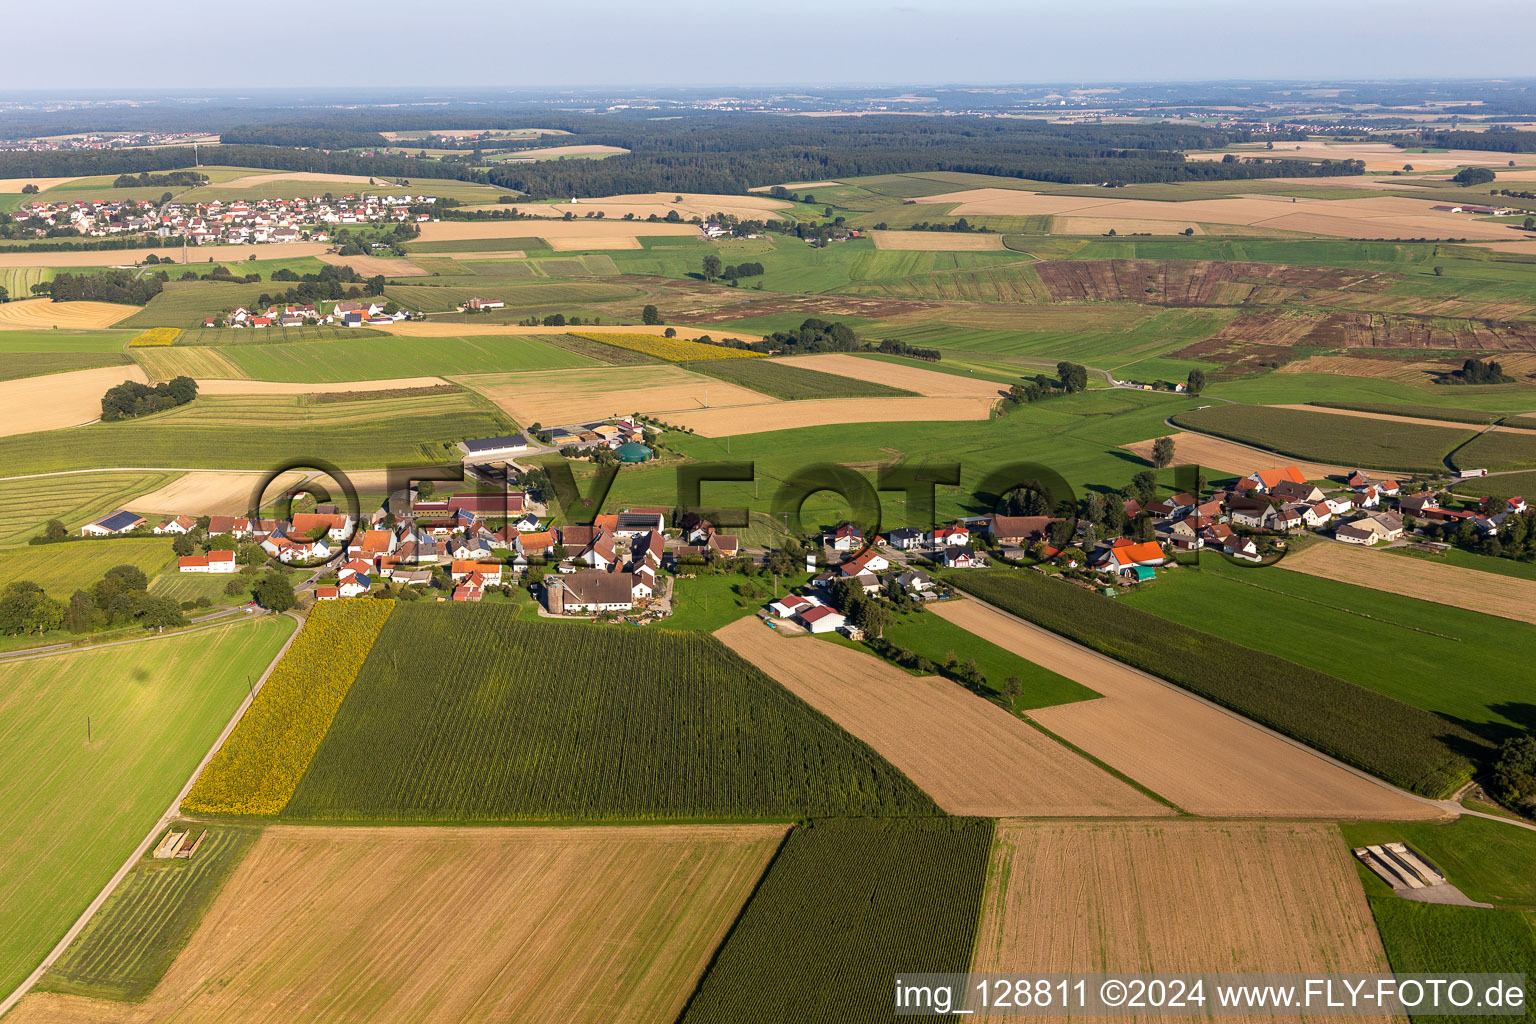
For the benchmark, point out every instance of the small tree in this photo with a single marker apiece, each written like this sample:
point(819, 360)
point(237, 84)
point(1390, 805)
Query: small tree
point(1195, 381)
point(712, 267)
point(274, 592)
point(1162, 452)
point(670, 332)
point(1013, 689)
point(55, 530)
point(649, 315)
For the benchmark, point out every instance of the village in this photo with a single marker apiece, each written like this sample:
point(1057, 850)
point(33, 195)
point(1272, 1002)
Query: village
point(467, 546)
point(237, 222)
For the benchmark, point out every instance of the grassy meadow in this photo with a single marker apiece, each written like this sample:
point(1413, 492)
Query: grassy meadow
point(154, 707)
point(62, 568)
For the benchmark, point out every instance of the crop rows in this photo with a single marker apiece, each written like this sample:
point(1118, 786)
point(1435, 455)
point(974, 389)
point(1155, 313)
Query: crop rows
point(1497, 451)
point(463, 713)
point(1325, 437)
point(131, 941)
point(1428, 412)
point(1408, 746)
point(155, 336)
point(793, 383)
point(845, 907)
point(673, 350)
point(258, 767)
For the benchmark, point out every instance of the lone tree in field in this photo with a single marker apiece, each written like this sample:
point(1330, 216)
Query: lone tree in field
point(1195, 382)
point(55, 530)
point(648, 315)
point(1162, 452)
point(274, 592)
point(712, 267)
point(1073, 377)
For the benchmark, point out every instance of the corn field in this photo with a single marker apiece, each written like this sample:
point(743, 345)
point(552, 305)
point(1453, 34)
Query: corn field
point(261, 763)
point(844, 909)
point(463, 713)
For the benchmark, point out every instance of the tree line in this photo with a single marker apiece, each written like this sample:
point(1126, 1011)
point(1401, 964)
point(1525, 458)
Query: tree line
point(131, 398)
point(121, 286)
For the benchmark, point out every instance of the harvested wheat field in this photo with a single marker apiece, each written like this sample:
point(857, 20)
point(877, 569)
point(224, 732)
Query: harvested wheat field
point(168, 254)
point(438, 925)
point(200, 362)
point(554, 232)
point(936, 241)
point(555, 152)
point(317, 176)
point(209, 493)
point(967, 753)
point(1359, 366)
point(274, 387)
point(1509, 597)
point(1203, 759)
point(17, 184)
point(553, 397)
point(30, 314)
point(1366, 217)
point(1122, 226)
point(58, 399)
point(1231, 457)
point(1174, 897)
point(370, 266)
point(714, 422)
point(931, 383)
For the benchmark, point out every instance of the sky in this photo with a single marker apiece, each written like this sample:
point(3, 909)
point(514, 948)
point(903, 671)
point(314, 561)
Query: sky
point(158, 44)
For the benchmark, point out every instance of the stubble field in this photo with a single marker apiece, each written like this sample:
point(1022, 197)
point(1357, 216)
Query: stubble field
point(1229, 456)
point(400, 924)
point(553, 397)
point(30, 314)
point(58, 399)
point(970, 755)
point(1507, 596)
point(1174, 897)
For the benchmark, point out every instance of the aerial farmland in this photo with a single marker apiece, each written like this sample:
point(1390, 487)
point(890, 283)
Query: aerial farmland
point(819, 553)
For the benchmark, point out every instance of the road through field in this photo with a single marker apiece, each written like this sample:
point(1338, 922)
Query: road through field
point(1508, 597)
point(1205, 759)
point(971, 756)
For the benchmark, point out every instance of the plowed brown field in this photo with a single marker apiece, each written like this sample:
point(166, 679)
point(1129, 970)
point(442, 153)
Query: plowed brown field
point(967, 753)
point(1174, 896)
point(1506, 596)
point(346, 925)
point(1203, 759)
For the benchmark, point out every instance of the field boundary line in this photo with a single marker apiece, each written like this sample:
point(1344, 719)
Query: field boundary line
point(171, 814)
point(1449, 806)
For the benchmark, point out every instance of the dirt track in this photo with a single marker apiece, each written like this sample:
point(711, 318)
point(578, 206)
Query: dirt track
point(436, 925)
point(1174, 896)
point(1506, 596)
point(1203, 759)
point(970, 755)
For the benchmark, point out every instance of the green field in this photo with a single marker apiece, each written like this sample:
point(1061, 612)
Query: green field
point(1488, 860)
point(67, 566)
point(36, 364)
point(1399, 742)
point(130, 943)
point(1496, 451)
point(1506, 485)
point(1465, 559)
point(189, 586)
point(446, 298)
point(59, 342)
point(1474, 416)
point(154, 708)
point(479, 245)
point(463, 713)
point(1424, 937)
point(1399, 646)
point(1329, 437)
point(74, 499)
point(260, 431)
point(385, 358)
point(846, 907)
point(934, 638)
point(186, 304)
point(203, 336)
point(792, 383)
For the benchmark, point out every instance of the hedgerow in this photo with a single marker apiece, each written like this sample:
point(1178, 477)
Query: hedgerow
point(1408, 746)
point(257, 768)
point(463, 713)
